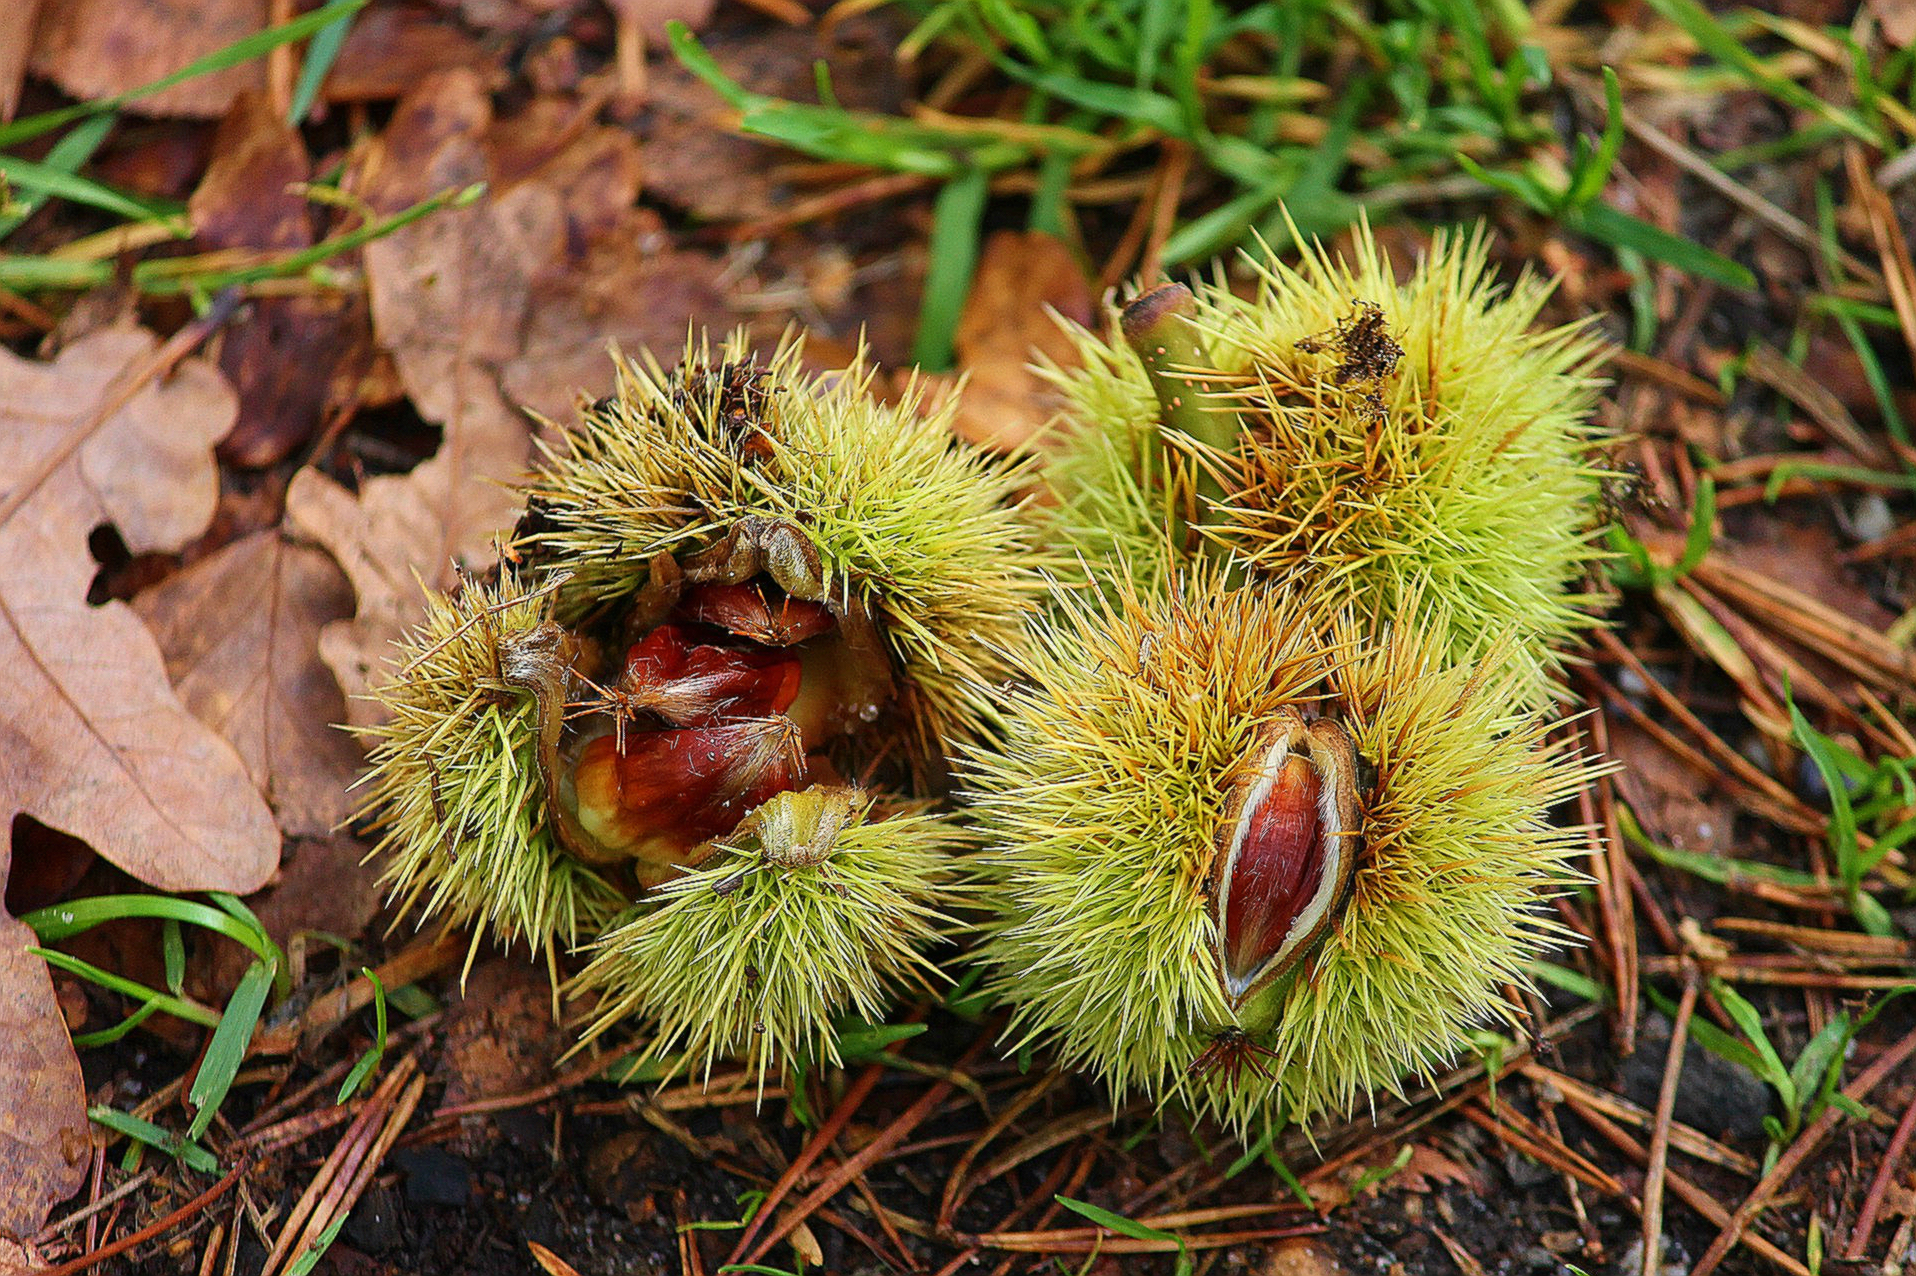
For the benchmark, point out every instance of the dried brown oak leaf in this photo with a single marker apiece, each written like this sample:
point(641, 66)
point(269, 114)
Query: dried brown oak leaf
point(97, 48)
point(93, 741)
point(240, 633)
point(43, 1128)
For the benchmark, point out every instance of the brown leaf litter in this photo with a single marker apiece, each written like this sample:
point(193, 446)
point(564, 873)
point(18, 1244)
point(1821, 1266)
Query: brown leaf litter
point(93, 740)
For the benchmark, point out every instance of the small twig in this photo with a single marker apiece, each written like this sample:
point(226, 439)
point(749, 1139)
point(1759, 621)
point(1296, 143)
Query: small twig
point(1879, 1185)
point(815, 1147)
point(94, 1208)
point(1534, 1143)
point(1684, 1190)
point(1799, 1151)
point(148, 1232)
point(1892, 248)
point(863, 1159)
point(1660, 1132)
point(341, 1163)
point(1081, 1240)
point(1787, 224)
point(956, 1187)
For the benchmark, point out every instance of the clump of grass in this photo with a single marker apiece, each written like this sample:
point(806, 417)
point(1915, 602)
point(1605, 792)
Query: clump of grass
point(1251, 122)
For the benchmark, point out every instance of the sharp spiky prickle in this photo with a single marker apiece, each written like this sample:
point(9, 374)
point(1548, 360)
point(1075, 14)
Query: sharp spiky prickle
point(821, 904)
point(713, 474)
point(1267, 871)
point(736, 585)
point(456, 788)
point(1363, 438)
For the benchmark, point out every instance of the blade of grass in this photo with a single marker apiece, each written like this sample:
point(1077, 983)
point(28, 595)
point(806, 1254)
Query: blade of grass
point(1712, 37)
point(164, 1140)
point(1127, 1227)
point(227, 1050)
point(178, 1007)
point(172, 276)
point(368, 1062)
point(957, 222)
point(67, 156)
point(46, 180)
point(1620, 230)
point(63, 921)
point(320, 56)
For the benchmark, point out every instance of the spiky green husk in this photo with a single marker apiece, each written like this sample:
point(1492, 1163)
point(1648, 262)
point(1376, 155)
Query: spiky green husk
point(1465, 474)
point(923, 530)
point(454, 786)
point(1102, 809)
point(755, 959)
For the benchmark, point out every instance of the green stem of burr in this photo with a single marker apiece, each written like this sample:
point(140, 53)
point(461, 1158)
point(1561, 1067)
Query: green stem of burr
point(1158, 326)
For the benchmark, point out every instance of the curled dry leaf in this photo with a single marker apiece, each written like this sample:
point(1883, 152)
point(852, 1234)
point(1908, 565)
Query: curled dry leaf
point(97, 48)
point(1026, 281)
point(43, 1129)
point(93, 741)
point(240, 633)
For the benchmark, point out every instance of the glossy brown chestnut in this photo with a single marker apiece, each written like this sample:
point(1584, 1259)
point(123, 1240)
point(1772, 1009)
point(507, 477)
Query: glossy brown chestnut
point(1286, 852)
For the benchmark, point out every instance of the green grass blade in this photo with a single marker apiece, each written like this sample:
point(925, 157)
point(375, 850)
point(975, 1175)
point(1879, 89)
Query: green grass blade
point(178, 1007)
point(1620, 230)
point(227, 1050)
point(46, 181)
point(173, 955)
point(369, 1062)
point(320, 56)
point(67, 155)
point(309, 1258)
point(1842, 830)
point(1116, 1222)
point(1594, 174)
point(153, 1136)
point(107, 1036)
point(1711, 36)
point(957, 221)
point(63, 921)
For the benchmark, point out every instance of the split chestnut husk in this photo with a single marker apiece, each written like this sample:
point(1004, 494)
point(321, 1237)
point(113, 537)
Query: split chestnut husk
point(750, 611)
point(1249, 856)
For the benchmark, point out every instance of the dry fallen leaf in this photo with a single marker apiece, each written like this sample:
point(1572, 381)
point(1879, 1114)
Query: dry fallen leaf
point(249, 199)
point(16, 40)
point(448, 297)
point(240, 633)
point(390, 49)
point(44, 1141)
point(1008, 321)
point(1899, 21)
point(97, 48)
point(92, 739)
